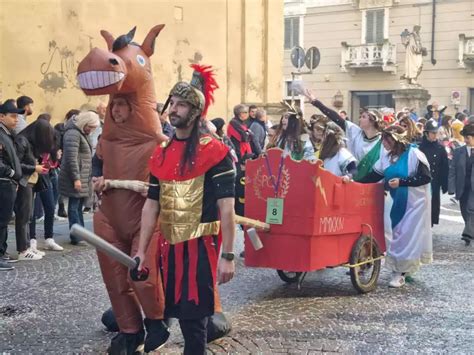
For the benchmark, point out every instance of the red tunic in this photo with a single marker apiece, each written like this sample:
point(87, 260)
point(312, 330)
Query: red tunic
point(189, 267)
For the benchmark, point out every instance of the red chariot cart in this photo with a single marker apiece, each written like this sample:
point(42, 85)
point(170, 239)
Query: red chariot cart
point(325, 223)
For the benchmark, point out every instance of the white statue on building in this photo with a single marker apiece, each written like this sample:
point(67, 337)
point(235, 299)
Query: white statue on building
point(414, 54)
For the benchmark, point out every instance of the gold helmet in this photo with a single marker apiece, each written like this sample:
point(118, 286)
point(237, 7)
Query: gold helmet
point(200, 91)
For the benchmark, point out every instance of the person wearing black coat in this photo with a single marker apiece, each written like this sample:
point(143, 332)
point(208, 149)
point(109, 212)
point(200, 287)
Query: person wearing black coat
point(10, 174)
point(439, 166)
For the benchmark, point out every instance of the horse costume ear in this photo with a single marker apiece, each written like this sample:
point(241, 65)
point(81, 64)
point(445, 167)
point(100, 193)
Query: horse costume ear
point(131, 34)
point(148, 45)
point(109, 39)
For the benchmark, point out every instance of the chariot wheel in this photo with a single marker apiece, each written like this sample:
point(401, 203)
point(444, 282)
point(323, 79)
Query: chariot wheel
point(289, 276)
point(364, 277)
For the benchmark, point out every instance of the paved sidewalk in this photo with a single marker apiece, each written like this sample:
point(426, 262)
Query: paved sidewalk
point(54, 306)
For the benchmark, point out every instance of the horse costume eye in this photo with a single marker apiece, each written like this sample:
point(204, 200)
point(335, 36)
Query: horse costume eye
point(141, 60)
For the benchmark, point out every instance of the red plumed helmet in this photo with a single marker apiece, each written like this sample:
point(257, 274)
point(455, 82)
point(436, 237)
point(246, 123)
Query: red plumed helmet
point(204, 80)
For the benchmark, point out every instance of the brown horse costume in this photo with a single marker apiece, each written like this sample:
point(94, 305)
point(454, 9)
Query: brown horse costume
point(125, 149)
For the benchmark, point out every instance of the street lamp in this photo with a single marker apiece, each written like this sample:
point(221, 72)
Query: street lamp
point(338, 99)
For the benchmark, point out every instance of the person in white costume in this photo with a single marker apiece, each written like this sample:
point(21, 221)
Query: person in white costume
point(406, 173)
point(336, 157)
point(363, 140)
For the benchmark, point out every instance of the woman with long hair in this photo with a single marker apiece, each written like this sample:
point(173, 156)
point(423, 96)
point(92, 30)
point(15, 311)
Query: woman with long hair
point(46, 194)
point(413, 133)
point(363, 140)
point(406, 173)
point(34, 141)
point(445, 132)
point(336, 157)
point(288, 137)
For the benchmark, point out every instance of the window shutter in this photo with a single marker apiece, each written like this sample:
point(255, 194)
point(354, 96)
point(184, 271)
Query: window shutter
point(292, 32)
point(369, 31)
point(374, 26)
point(379, 16)
point(287, 33)
point(296, 31)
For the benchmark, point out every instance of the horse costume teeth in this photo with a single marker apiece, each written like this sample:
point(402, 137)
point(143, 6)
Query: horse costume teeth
point(91, 80)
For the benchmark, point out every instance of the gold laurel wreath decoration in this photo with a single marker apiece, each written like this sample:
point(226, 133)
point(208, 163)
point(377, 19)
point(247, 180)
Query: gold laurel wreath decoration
point(256, 184)
point(285, 183)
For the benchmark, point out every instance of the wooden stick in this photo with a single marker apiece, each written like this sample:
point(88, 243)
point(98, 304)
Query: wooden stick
point(249, 222)
point(142, 187)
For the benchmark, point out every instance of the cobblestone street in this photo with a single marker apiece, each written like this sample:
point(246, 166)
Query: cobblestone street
point(54, 306)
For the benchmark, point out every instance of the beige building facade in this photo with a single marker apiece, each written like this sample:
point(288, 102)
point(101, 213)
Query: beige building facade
point(42, 42)
point(362, 56)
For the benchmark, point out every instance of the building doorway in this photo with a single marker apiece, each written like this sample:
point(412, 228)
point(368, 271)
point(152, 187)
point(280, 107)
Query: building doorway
point(370, 100)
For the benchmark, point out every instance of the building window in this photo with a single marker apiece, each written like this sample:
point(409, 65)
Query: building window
point(370, 100)
point(297, 103)
point(289, 88)
point(374, 30)
point(292, 32)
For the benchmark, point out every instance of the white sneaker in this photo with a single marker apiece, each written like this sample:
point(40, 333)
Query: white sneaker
point(28, 255)
point(57, 218)
point(34, 248)
point(398, 280)
point(52, 245)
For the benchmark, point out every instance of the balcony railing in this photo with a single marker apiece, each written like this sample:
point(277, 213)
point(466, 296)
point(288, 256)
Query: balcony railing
point(363, 56)
point(466, 51)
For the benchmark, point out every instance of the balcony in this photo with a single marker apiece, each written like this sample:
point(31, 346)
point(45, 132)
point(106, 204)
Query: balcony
point(466, 51)
point(369, 56)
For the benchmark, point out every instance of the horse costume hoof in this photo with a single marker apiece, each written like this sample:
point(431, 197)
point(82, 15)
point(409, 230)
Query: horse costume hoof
point(157, 334)
point(108, 319)
point(217, 327)
point(127, 344)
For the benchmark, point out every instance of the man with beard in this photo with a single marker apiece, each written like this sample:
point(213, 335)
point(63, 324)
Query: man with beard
point(191, 195)
point(24, 103)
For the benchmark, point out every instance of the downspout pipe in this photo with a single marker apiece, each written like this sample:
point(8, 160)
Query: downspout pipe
point(433, 26)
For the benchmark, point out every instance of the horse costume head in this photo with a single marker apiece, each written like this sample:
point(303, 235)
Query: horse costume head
point(124, 71)
point(123, 68)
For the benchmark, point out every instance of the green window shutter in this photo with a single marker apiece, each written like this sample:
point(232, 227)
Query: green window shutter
point(292, 32)
point(374, 26)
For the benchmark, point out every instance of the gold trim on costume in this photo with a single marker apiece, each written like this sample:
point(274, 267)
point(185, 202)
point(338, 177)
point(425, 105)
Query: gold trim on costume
point(205, 140)
point(225, 173)
point(181, 210)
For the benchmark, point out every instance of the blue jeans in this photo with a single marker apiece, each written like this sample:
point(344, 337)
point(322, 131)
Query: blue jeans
point(74, 214)
point(37, 207)
point(53, 175)
point(47, 200)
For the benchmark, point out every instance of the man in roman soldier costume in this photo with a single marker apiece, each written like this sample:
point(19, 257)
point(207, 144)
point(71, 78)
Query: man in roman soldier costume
point(191, 198)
